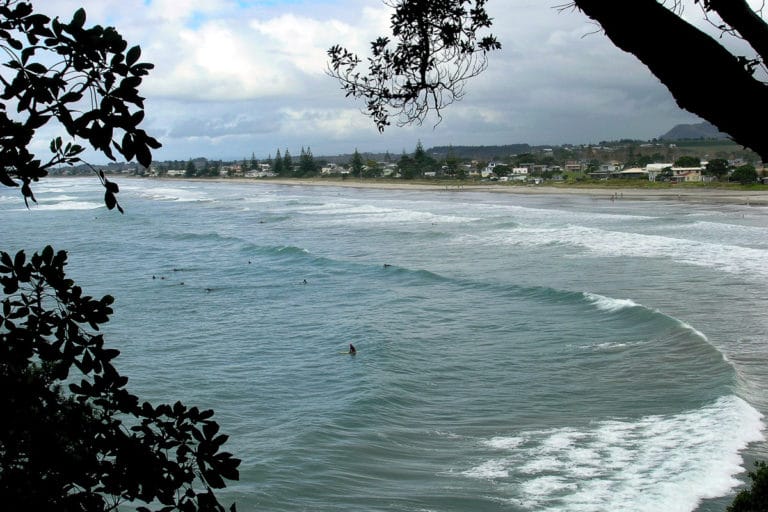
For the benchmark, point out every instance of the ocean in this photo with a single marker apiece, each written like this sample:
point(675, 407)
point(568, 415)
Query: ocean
point(514, 352)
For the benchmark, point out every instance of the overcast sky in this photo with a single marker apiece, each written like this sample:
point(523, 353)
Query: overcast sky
point(234, 78)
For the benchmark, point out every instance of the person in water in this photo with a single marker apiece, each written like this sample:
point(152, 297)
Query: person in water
point(352, 350)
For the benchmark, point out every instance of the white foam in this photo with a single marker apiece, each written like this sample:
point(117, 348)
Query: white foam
point(599, 242)
point(67, 205)
point(504, 443)
point(489, 470)
point(667, 463)
point(339, 213)
point(174, 194)
point(608, 303)
point(609, 345)
point(58, 198)
point(11, 199)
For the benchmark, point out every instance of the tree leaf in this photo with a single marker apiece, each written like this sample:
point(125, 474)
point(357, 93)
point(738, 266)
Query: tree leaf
point(133, 55)
point(78, 19)
point(6, 180)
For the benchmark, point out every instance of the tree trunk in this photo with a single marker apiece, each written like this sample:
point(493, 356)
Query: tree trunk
point(703, 77)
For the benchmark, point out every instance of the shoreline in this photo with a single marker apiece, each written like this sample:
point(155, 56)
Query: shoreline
point(704, 195)
point(698, 195)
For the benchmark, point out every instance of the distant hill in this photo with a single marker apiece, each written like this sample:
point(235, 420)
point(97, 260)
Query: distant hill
point(703, 130)
point(479, 152)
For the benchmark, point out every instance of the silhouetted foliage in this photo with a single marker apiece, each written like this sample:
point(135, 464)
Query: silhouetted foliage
point(754, 499)
point(94, 446)
point(436, 49)
point(730, 88)
point(86, 79)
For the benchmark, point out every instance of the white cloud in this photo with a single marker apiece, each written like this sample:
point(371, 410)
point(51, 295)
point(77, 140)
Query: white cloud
point(248, 75)
point(217, 61)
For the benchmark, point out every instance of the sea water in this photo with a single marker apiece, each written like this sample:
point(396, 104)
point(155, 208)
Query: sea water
point(515, 352)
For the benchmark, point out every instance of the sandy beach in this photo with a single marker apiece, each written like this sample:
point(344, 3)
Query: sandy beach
point(690, 194)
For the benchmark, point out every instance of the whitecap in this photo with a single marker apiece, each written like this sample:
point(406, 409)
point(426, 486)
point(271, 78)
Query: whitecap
point(68, 205)
point(662, 462)
point(608, 303)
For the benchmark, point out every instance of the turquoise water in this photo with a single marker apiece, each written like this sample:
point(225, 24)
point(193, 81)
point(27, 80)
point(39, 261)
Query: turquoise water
point(515, 353)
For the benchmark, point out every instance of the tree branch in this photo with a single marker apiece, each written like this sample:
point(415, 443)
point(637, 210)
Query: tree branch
point(681, 59)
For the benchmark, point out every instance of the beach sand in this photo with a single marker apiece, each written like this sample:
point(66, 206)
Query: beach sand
point(690, 194)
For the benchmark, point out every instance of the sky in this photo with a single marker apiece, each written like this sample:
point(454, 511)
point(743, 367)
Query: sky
point(236, 78)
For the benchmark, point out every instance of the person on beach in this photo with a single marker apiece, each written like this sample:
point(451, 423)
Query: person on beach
point(352, 350)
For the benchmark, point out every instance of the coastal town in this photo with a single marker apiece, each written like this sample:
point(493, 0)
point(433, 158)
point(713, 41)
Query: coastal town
point(696, 161)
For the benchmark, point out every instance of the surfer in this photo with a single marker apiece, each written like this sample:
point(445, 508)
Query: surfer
point(352, 350)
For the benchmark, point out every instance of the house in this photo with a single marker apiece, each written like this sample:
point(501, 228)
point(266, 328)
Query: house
point(610, 167)
point(574, 167)
point(655, 169)
point(633, 173)
point(686, 174)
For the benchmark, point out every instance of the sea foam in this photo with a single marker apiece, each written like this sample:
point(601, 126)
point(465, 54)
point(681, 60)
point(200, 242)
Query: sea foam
point(654, 463)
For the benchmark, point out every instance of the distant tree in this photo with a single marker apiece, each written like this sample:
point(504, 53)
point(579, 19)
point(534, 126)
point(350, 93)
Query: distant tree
point(85, 80)
point(356, 164)
point(287, 163)
point(523, 158)
point(277, 165)
point(744, 174)
point(451, 163)
point(190, 171)
point(422, 161)
point(502, 170)
point(643, 161)
point(212, 169)
point(307, 165)
point(688, 161)
point(665, 174)
point(717, 167)
point(371, 169)
point(755, 498)
point(95, 446)
point(437, 49)
point(406, 167)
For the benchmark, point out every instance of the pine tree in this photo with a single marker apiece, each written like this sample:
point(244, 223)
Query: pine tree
point(357, 164)
point(307, 166)
point(277, 165)
point(287, 163)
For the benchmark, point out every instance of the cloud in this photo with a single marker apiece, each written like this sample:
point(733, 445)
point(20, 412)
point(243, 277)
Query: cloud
point(236, 76)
